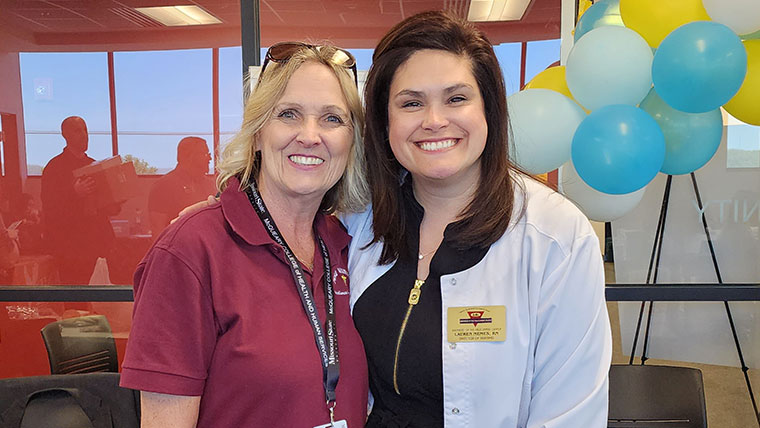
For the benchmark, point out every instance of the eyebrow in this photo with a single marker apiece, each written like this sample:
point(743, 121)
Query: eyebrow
point(458, 87)
point(326, 108)
point(421, 94)
point(334, 108)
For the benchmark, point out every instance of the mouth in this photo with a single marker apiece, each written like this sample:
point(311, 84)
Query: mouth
point(305, 160)
point(435, 146)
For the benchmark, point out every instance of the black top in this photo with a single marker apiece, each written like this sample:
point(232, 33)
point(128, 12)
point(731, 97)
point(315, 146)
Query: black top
point(378, 315)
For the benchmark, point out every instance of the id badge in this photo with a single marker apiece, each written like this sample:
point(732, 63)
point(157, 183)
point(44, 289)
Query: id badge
point(477, 324)
point(338, 424)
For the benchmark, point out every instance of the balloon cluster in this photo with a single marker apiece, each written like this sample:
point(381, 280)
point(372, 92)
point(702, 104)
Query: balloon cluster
point(640, 93)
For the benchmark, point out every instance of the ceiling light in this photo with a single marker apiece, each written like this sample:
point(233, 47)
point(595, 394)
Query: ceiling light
point(179, 15)
point(497, 10)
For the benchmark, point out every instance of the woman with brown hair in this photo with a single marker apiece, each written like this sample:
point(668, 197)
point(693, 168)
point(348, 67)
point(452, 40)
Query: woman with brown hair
point(478, 291)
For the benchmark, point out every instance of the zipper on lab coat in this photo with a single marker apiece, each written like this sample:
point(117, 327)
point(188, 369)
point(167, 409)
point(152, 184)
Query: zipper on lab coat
point(414, 298)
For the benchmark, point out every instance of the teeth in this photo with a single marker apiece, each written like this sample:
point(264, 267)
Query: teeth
point(437, 145)
point(305, 160)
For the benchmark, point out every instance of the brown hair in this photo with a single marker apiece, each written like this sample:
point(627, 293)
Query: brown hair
point(487, 216)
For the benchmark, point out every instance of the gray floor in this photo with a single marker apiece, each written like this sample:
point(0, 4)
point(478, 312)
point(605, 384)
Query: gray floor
point(726, 396)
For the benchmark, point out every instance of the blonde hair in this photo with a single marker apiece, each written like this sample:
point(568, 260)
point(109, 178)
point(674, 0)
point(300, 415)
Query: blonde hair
point(239, 158)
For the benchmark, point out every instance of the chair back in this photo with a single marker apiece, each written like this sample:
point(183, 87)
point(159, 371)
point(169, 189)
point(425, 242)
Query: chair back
point(92, 400)
point(80, 345)
point(656, 397)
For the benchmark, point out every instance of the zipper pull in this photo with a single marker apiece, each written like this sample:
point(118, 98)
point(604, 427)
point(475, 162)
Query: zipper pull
point(415, 292)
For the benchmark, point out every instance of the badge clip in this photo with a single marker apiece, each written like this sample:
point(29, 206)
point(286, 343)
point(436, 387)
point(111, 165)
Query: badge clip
point(331, 408)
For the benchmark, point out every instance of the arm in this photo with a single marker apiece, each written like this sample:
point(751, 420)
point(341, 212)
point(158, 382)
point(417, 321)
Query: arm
point(174, 332)
point(574, 344)
point(168, 411)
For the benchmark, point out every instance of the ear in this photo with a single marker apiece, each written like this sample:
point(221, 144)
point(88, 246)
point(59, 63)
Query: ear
point(255, 143)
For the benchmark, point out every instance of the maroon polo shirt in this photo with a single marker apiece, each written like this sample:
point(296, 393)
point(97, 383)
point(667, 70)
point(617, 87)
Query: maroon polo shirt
point(217, 315)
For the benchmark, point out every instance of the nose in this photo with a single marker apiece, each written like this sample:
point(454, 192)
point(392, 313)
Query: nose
point(435, 118)
point(309, 134)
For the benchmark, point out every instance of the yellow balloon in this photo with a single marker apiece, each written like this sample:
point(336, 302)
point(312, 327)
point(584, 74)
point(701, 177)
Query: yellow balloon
point(745, 105)
point(655, 19)
point(552, 78)
point(583, 6)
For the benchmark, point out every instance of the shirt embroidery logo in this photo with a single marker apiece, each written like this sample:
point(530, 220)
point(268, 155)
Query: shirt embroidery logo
point(341, 287)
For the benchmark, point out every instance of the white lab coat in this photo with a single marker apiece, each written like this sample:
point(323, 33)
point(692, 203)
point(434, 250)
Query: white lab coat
point(547, 270)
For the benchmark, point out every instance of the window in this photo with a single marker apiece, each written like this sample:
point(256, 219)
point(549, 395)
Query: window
point(743, 144)
point(230, 92)
point(509, 59)
point(540, 55)
point(55, 86)
point(162, 97)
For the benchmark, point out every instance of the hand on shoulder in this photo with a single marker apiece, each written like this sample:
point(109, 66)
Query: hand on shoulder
point(210, 201)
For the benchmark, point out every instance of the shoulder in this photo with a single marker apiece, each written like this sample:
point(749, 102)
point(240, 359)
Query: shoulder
point(548, 213)
point(53, 164)
point(162, 183)
point(162, 179)
point(194, 234)
point(334, 231)
point(357, 224)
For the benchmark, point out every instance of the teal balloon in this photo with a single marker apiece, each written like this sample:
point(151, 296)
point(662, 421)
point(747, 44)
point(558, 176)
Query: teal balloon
point(601, 13)
point(691, 139)
point(699, 66)
point(618, 149)
point(539, 148)
point(609, 65)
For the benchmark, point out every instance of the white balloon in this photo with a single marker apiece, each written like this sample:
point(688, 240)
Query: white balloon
point(609, 65)
point(596, 205)
point(543, 124)
point(742, 16)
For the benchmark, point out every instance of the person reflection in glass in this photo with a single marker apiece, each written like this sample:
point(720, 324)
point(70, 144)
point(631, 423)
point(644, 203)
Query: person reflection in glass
point(185, 184)
point(76, 233)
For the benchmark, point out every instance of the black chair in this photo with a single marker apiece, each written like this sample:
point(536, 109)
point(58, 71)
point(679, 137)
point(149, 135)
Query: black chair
point(92, 400)
point(80, 345)
point(656, 397)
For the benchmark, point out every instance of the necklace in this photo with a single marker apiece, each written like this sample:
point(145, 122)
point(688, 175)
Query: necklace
point(423, 255)
point(310, 266)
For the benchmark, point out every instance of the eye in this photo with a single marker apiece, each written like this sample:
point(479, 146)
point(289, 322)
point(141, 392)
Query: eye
point(334, 118)
point(411, 104)
point(457, 99)
point(287, 114)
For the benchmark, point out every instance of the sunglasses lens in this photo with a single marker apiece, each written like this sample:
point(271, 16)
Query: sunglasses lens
point(283, 51)
point(343, 58)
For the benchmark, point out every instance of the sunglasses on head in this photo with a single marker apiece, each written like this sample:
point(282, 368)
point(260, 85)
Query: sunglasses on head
point(282, 52)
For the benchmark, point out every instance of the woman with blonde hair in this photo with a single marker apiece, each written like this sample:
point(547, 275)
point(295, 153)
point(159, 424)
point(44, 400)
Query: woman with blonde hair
point(241, 311)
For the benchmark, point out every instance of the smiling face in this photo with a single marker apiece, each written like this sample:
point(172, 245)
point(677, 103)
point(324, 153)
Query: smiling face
point(305, 144)
point(436, 120)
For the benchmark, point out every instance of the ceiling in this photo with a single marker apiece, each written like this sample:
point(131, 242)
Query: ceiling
point(50, 25)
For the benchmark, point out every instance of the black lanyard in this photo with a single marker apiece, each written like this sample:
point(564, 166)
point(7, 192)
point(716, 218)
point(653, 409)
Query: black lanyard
point(328, 349)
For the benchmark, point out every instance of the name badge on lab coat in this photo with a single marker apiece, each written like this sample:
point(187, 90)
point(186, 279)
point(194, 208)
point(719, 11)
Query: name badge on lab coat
point(477, 324)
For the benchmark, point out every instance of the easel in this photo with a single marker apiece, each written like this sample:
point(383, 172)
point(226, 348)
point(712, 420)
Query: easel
point(654, 261)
